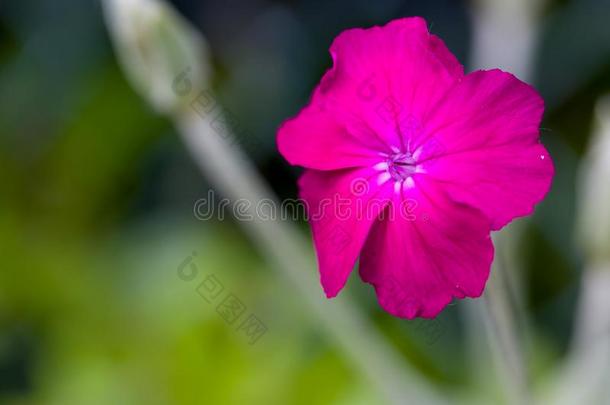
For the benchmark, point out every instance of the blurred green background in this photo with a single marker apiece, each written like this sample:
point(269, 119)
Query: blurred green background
point(96, 210)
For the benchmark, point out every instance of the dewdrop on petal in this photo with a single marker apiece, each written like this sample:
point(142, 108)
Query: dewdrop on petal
point(594, 208)
point(163, 56)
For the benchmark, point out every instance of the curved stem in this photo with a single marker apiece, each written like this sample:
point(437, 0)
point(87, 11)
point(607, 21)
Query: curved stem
point(504, 340)
point(283, 246)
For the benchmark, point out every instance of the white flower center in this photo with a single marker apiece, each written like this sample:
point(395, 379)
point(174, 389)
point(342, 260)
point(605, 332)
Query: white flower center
point(401, 166)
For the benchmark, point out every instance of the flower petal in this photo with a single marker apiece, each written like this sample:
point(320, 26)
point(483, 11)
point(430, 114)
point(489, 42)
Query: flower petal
point(420, 261)
point(384, 79)
point(314, 139)
point(503, 182)
point(486, 146)
point(341, 207)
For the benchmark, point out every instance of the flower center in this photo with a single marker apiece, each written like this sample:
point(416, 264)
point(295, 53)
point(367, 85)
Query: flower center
point(401, 166)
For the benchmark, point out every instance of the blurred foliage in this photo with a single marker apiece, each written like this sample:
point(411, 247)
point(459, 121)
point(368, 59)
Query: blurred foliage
point(96, 210)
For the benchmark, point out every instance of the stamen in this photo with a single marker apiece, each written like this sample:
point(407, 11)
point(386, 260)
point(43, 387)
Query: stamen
point(401, 166)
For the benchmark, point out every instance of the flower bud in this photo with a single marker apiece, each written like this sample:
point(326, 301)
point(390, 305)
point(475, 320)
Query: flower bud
point(162, 55)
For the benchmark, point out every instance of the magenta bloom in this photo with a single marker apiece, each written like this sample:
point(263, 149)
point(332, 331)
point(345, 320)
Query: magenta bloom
point(410, 165)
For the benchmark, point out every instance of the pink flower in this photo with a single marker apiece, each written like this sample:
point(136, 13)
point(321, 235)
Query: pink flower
point(425, 161)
